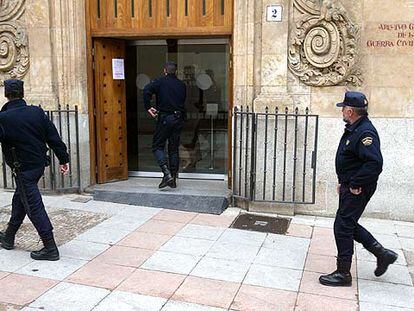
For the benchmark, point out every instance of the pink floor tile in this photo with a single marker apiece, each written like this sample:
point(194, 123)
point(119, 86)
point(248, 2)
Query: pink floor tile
point(101, 274)
point(125, 256)
point(151, 241)
point(310, 285)
point(7, 307)
point(19, 289)
point(3, 274)
point(326, 232)
point(323, 264)
point(309, 302)
point(254, 298)
point(213, 220)
point(153, 283)
point(301, 231)
point(161, 227)
point(175, 216)
point(322, 246)
point(207, 292)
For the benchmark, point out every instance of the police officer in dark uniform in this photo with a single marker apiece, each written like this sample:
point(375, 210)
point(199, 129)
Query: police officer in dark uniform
point(24, 132)
point(358, 166)
point(170, 112)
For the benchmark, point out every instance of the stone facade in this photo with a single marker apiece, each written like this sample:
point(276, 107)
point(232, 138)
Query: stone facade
point(318, 50)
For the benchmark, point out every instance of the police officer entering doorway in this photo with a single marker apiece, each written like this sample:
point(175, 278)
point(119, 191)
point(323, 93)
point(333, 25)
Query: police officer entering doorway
point(358, 166)
point(170, 113)
point(24, 132)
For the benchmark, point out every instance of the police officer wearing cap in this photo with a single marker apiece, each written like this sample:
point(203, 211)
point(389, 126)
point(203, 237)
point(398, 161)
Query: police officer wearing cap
point(358, 166)
point(24, 132)
point(170, 113)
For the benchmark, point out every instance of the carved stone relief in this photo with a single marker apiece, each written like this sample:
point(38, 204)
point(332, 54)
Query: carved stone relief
point(14, 53)
point(324, 46)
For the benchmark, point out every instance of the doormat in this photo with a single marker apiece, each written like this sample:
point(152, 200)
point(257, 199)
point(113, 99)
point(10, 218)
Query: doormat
point(267, 224)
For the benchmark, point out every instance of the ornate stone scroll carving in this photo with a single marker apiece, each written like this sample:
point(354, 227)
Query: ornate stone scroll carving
point(14, 53)
point(323, 49)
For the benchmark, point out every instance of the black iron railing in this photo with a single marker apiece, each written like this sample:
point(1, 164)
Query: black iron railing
point(67, 123)
point(274, 155)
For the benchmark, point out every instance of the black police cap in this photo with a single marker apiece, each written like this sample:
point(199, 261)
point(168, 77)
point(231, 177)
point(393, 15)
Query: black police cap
point(354, 99)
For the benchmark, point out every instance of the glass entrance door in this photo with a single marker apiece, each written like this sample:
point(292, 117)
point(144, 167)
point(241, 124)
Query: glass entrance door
point(203, 67)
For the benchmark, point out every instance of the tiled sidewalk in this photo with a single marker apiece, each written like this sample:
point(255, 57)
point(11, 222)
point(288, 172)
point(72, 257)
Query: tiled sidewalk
point(150, 259)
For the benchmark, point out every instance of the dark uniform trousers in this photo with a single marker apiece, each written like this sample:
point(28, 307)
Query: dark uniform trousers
point(38, 215)
point(346, 227)
point(168, 128)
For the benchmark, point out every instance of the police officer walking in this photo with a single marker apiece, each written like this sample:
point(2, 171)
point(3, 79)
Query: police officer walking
point(358, 166)
point(170, 112)
point(24, 132)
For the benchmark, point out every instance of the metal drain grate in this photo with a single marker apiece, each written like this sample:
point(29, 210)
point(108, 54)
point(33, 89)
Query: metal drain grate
point(261, 223)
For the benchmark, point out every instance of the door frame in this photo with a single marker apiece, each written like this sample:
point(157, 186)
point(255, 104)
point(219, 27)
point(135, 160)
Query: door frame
point(92, 105)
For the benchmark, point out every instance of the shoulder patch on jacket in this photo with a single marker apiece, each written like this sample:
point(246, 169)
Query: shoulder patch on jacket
point(367, 141)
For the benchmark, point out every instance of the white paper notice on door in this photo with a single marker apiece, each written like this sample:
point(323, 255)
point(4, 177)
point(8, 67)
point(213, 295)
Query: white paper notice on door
point(118, 69)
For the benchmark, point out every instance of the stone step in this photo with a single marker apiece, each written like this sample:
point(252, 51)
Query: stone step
point(200, 196)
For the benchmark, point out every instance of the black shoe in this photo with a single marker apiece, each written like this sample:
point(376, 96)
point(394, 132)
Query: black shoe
point(167, 180)
point(7, 238)
point(385, 257)
point(175, 177)
point(340, 277)
point(48, 252)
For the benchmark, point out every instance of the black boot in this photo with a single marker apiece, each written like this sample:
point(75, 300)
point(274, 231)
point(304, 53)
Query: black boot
point(340, 277)
point(167, 180)
point(385, 257)
point(48, 252)
point(175, 177)
point(7, 238)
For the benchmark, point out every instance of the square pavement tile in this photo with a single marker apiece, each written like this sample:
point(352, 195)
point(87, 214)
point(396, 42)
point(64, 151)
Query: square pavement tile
point(273, 277)
point(324, 222)
point(324, 264)
point(55, 270)
point(395, 274)
point(388, 241)
point(220, 221)
point(186, 306)
point(101, 274)
point(231, 251)
point(221, 269)
point(3, 274)
point(175, 216)
point(380, 226)
point(245, 237)
point(407, 244)
point(151, 241)
point(310, 285)
point(190, 246)
point(277, 241)
point(405, 231)
point(153, 283)
point(161, 227)
point(207, 292)
point(22, 289)
point(13, 260)
point(127, 223)
point(308, 302)
point(171, 262)
point(254, 298)
point(363, 255)
point(304, 220)
point(128, 301)
point(322, 246)
point(366, 306)
point(386, 294)
point(301, 231)
point(285, 258)
point(201, 232)
point(125, 256)
point(82, 249)
point(105, 235)
point(67, 297)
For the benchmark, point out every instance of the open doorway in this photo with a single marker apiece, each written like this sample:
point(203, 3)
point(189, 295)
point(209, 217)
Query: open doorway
point(203, 65)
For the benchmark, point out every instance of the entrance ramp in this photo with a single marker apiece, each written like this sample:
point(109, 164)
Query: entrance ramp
point(200, 196)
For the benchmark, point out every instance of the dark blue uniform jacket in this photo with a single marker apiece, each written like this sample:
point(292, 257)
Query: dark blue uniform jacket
point(28, 129)
point(358, 159)
point(170, 94)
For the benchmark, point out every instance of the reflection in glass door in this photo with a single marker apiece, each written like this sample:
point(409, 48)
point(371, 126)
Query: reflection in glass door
point(203, 67)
